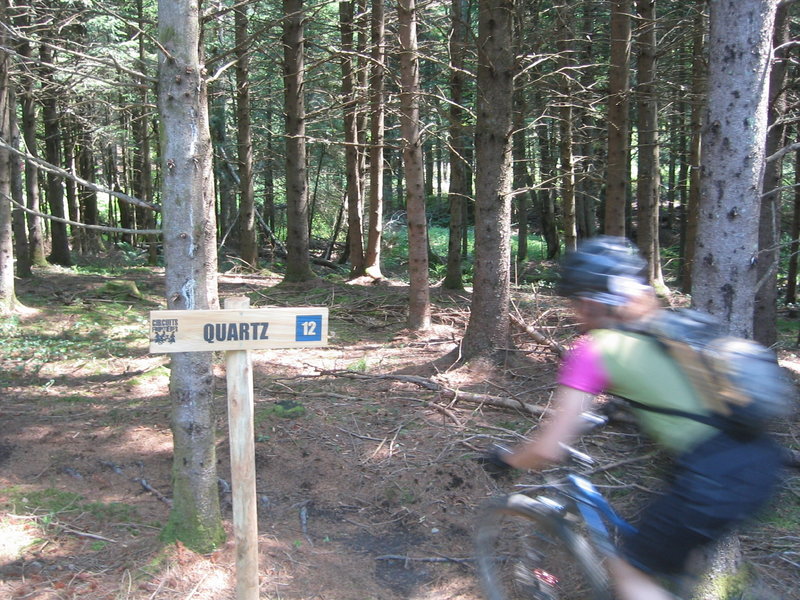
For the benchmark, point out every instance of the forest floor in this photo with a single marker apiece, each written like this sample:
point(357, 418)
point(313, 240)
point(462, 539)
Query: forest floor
point(367, 480)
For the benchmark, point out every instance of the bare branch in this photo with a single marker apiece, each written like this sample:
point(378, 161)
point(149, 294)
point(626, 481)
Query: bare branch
point(783, 152)
point(83, 225)
point(50, 168)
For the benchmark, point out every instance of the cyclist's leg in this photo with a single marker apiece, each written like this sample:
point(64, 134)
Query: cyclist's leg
point(633, 584)
point(714, 489)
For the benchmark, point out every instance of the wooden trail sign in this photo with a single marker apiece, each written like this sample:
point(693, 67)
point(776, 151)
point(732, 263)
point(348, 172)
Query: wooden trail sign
point(236, 329)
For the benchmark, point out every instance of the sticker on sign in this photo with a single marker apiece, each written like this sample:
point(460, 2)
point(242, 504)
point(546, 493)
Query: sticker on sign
point(235, 329)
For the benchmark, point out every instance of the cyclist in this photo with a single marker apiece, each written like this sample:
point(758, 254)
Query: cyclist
point(718, 479)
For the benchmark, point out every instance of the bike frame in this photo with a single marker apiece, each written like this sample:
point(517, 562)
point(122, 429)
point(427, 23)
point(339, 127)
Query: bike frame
point(584, 500)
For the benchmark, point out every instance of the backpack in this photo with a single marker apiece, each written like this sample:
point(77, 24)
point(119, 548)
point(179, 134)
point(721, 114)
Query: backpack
point(739, 380)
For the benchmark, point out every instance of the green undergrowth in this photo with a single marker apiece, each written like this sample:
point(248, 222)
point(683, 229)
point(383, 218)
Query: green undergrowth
point(73, 332)
point(283, 409)
point(49, 505)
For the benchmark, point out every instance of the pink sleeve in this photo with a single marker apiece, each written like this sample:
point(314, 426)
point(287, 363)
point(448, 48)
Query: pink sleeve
point(583, 369)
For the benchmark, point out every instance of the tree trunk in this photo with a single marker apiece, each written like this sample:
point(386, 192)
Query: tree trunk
point(547, 203)
point(734, 136)
point(769, 236)
point(28, 110)
point(8, 299)
point(143, 178)
point(69, 138)
point(488, 328)
point(618, 120)
point(19, 230)
point(794, 248)
point(191, 269)
point(649, 180)
point(298, 266)
point(419, 305)
point(269, 175)
point(459, 17)
point(355, 207)
point(372, 258)
point(248, 246)
point(226, 176)
point(88, 197)
point(59, 251)
point(459, 183)
point(521, 178)
point(586, 190)
point(698, 104)
point(567, 176)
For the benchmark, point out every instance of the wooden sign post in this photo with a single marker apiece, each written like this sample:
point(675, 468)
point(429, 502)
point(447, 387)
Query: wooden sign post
point(237, 329)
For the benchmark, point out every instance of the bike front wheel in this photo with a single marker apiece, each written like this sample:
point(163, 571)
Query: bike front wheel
point(527, 550)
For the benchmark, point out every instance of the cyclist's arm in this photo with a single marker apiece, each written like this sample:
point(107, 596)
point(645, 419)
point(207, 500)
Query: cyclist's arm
point(561, 428)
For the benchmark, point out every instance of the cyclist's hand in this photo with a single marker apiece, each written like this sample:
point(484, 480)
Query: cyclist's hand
point(493, 460)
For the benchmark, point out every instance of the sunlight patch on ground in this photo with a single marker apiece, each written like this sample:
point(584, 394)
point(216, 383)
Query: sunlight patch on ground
point(14, 538)
point(791, 362)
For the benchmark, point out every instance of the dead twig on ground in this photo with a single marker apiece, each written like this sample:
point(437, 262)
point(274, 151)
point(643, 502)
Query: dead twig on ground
point(430, 559)
point(445, 393)
point(537, 335)
point(140, 480)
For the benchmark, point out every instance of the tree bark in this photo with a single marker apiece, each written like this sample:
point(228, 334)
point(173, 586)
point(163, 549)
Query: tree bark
point(18, 227)
point(248, 246)
point(459, 183)
point(794, 247)
point(298, 266)
point(191, 269)
point(226, 176)
point(698, 104)
point(419, 305)
point(590, 147)
point(88, 197)
point(489, 327)
point(372, 257)
point(521, 178)
point(769, 235)
point(143, 181)
point(649, 179)
point(8, 297)
point(355, 204)
point(565, 124)
point(546, 194)
point(28, 111)
point(59, 251)
point(734, 136)
point(618, 120)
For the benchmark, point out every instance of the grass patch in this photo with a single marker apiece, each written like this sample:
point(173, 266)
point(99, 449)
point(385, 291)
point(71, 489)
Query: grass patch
point(101, 331)
point(47, 504)
point(284, 409)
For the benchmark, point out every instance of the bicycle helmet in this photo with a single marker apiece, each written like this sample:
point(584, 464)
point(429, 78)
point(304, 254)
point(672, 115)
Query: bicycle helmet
point(605, 269)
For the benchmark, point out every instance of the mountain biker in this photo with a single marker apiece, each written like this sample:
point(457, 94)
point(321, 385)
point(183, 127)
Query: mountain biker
point(718, 479)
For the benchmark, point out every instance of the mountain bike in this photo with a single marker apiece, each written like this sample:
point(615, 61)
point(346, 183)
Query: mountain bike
point(549, 547)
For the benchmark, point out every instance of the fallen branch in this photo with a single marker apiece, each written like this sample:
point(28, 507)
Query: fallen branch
point(140, 480)
point(152, 490)
point(430, 559)
point(444, 392)
point(84, 534)
point(537, 336)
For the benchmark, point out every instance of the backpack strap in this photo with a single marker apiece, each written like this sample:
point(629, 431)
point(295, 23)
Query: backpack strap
point(710, 420)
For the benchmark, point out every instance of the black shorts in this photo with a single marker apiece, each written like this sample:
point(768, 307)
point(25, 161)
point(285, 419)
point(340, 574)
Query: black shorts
point(714, 487)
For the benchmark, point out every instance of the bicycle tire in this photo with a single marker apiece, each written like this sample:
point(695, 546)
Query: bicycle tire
point(527, 549)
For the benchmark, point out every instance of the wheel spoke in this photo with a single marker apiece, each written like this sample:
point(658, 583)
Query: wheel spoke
point(526, 551)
